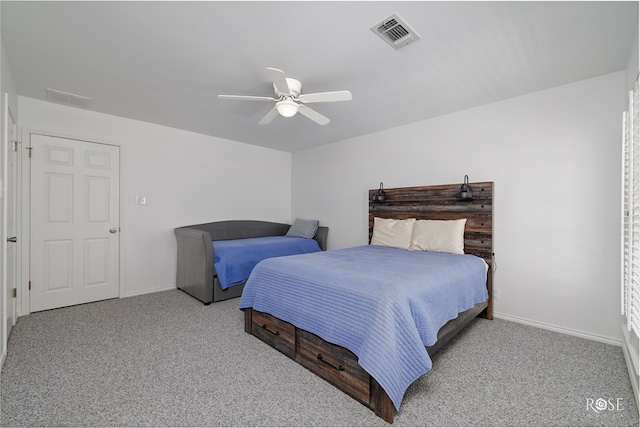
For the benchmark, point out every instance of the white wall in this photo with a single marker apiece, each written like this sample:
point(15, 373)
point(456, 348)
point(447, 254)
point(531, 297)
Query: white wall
point(554, 156)
point(186, 177)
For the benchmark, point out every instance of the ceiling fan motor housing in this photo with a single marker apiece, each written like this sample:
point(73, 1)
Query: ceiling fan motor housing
point(295, 87)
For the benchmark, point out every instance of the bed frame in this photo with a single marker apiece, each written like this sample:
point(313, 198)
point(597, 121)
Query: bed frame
point(339, 366)
point(196, 274)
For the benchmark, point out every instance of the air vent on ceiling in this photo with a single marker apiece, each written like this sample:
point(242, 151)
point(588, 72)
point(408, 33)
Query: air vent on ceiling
point(395, 32)
point(67, 98)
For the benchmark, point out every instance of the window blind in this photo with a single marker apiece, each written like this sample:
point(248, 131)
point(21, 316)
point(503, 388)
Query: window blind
point(630, 292)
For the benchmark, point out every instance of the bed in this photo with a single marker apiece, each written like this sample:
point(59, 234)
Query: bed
point(376, 360)
point(196, 273)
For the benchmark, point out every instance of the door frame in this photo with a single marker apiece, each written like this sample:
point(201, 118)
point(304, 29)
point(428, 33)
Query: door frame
point(8, 150)
point(23, 294)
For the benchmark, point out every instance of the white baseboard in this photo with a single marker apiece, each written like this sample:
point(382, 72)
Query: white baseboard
point(149, 291)
point(584, 335)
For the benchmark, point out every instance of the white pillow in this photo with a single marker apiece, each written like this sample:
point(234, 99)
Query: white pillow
point(390, 232)
point(443, 236)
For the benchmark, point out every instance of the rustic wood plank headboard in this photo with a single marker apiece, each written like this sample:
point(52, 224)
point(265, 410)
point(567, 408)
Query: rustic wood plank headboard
point(439, 202)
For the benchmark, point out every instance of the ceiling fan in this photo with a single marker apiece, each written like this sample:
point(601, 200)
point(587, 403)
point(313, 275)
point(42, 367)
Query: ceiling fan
point(290, 101)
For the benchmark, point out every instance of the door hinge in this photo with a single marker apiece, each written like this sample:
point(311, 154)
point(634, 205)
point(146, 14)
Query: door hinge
point(29, 285)
point(15, 146)
point(14, 293)
point(30, 149)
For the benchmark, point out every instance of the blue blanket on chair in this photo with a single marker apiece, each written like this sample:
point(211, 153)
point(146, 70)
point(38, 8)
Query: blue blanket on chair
point(383, 304)
point(234, 259)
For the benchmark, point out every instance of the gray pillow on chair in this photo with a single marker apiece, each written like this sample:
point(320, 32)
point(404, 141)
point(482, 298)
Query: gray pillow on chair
point(302, 228)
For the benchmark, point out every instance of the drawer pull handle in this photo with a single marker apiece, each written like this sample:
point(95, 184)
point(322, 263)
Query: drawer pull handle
point(275, 333)
point(339, 368)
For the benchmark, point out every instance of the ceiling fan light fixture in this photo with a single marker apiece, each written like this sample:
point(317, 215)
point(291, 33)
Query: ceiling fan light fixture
point(287, 107)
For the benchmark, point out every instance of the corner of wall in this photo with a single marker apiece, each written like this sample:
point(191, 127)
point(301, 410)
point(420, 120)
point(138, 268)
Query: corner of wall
point(633, 63)
point(7, 84)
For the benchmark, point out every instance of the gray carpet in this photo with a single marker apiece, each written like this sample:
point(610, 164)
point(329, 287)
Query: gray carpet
point(164, 359)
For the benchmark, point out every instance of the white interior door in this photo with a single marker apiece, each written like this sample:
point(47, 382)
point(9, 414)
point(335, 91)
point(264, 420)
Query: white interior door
point(74, 222)
point(11, 207)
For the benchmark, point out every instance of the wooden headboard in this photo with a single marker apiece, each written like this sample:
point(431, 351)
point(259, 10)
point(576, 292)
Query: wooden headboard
point(440, 203)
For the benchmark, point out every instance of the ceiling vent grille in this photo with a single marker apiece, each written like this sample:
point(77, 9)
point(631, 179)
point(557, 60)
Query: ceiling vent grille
point(395, 32)
point(67, 98)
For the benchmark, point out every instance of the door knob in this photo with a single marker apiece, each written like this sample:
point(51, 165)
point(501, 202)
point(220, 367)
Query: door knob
point(12, 239)
point(113, 230)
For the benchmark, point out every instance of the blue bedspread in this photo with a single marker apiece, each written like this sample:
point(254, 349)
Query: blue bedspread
point(235, 258)
point(383, 304)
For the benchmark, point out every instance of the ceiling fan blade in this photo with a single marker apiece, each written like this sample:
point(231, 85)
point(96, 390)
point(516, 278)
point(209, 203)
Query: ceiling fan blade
point(312, 114)
point(245, 97)
point(325, 97)
point(269, 117)
point(279, 81)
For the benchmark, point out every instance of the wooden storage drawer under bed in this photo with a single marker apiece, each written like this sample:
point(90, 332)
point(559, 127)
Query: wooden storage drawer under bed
point(333, 363)
point(275, 332)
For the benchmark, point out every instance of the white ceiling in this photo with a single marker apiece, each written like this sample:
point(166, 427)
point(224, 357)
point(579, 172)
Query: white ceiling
point(166, 62)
